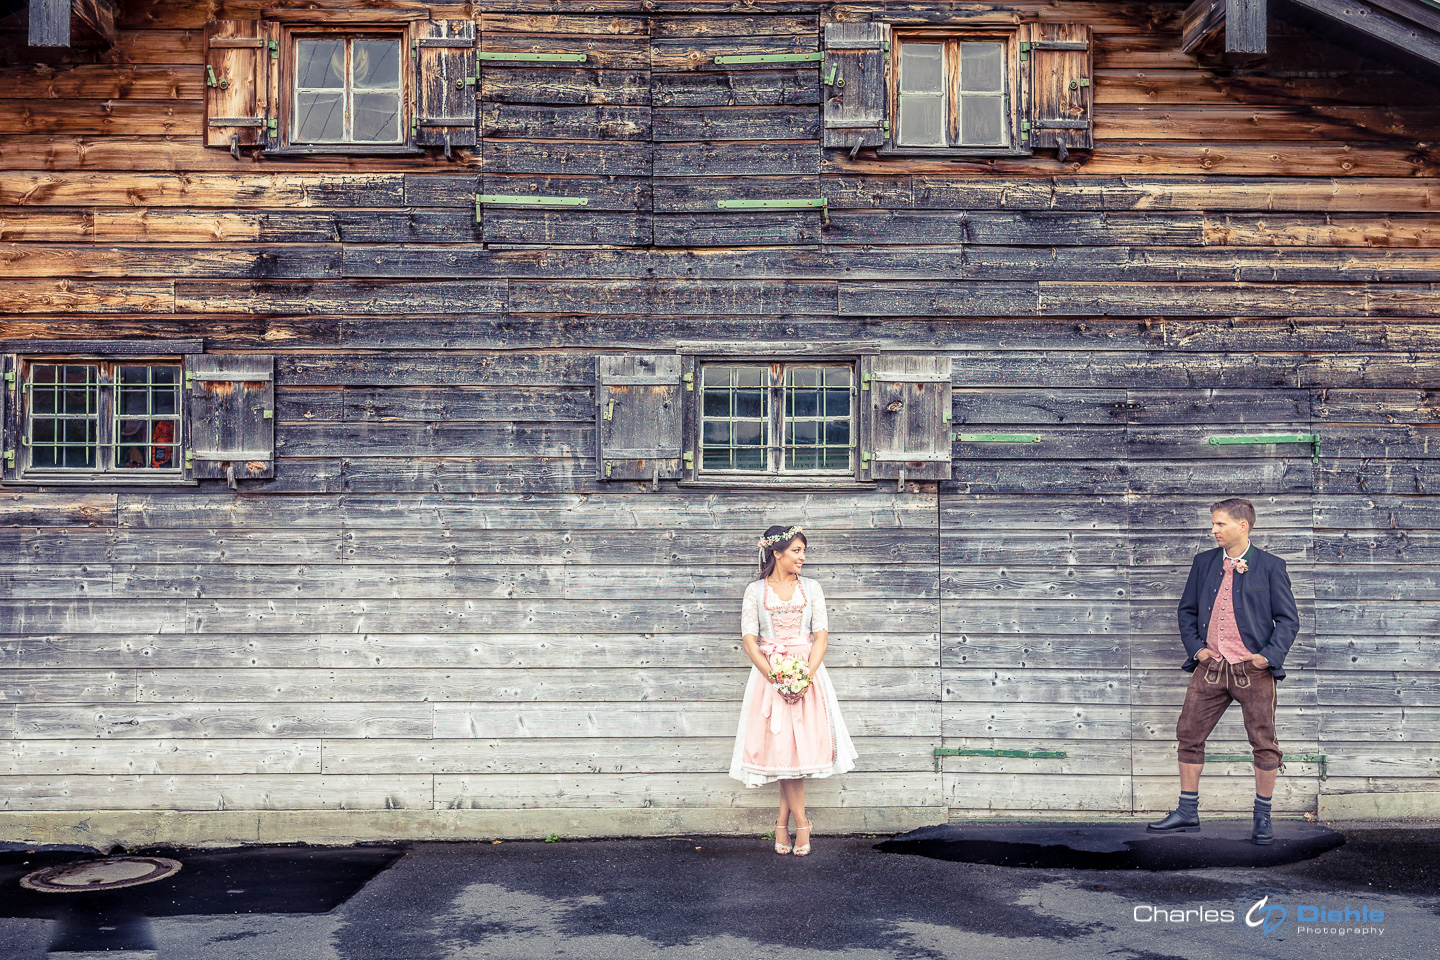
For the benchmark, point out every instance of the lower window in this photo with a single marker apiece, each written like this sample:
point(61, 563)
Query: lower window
point(777, 418)
point(96, 417)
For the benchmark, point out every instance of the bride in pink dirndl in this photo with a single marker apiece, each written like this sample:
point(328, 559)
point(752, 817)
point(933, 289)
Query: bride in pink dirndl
point(784, 616)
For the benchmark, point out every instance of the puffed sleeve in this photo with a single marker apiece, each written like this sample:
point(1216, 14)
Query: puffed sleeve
point(750, 612)
point(818, 618)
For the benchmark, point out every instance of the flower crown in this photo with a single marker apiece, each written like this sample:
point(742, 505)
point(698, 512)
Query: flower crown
point(767, 542)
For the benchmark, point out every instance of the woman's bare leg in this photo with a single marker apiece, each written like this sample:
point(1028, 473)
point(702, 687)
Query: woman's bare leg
point(782, 833)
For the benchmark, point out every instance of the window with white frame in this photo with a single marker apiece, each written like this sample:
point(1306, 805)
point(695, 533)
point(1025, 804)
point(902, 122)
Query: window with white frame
point(955, 92)
point(348, 90)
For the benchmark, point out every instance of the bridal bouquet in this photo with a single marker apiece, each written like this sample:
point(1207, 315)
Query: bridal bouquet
point(791, 679)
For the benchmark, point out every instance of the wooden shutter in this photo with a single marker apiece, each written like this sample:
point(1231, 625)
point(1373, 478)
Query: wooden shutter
point(445, 78)
point(908, 416)
point(638, 417)
point(1061, 93)
point(9, 417)
point(230, 416)
point(237, 63)
point(857, 103)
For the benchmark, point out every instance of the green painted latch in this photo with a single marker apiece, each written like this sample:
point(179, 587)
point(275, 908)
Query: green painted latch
point(1319, 758)
point(1022, 754)
point(833, 79)
point(772, 58)
point(1313, 438)
point(210, 80)
point(610, 409)
point(998, 437)
point(508, 57)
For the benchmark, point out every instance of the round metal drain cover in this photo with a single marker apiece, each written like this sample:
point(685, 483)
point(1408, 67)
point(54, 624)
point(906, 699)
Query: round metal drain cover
point(92, 876)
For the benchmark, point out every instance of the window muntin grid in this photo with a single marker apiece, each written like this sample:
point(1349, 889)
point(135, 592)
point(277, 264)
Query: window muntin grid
point(777, 418)
point(96, 417)
point(347, 90)
point(147, 418)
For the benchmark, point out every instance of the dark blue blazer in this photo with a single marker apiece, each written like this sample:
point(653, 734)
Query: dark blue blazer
point(1264, 606)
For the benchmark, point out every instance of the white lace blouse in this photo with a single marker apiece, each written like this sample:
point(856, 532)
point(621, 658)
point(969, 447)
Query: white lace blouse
point(755, 619)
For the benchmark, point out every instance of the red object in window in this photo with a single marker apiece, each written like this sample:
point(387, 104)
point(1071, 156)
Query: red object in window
point(162, 435)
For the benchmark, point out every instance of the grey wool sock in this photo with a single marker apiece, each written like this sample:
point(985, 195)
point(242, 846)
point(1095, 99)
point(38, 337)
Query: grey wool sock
point(1189, 806)
point(1262, 805)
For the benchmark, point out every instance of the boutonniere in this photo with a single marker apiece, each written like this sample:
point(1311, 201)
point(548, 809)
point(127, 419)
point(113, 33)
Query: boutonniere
point(1242, 565)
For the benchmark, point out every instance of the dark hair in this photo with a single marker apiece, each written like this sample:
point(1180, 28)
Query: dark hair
point(767, 554)
point(1236, 509)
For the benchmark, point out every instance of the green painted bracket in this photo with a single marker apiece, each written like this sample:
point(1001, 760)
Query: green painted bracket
point(787, 203)
point(1319, 758)
point(510, 200)
point(1024, 754)
point(997, 437)
point(485, 55)
point(1313, 438)
point(772, 58)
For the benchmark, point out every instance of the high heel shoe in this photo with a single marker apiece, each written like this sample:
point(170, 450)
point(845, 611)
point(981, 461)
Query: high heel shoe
point(782, 847)
point(802, 849)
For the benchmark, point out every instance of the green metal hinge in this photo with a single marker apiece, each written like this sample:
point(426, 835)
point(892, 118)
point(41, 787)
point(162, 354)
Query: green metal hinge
point(689, 379)
point(787, 203)
point(1319, 758)
point(10, 377)
point(945, 417)
point(1024, 50)
point(415, 127)
point(864, 381)
point(610, 409)
point(487, 55)
point(273, 126)
point(997, 437)
point(268, 414)
point(1311, 438)
point(189, 459)
point(689, 458)
point(865, 458)
point(274, 46)
point(531, 201)
point(189, 380)
point(9, 458)
point(1023, 754)
point(414, 48)
point(772, 58)
point(1025, 128)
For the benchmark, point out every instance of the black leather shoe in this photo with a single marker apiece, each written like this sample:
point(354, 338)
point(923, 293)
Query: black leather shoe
point(1262, 834)
point(1173, 822)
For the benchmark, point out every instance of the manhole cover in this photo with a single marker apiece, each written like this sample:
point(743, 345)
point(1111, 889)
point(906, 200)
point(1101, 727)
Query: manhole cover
point(96, 875)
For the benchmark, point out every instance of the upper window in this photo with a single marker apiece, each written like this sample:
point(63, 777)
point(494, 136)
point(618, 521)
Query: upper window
point(347, 90)
point(777, 418)
point(954, 93)
point(102, 417)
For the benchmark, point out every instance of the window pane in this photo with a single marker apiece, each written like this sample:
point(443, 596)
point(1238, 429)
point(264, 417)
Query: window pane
point(319, 117)
point(717, 432)
point(734, 417)
point(63, 420)
point(320, 63)
point(981, 67)
point(377, 117)
point(837, 403)
point(717, 403)
point(922, 68)
point(376, 64)
point(982, 120)
point(922, 121)
point(749, 403)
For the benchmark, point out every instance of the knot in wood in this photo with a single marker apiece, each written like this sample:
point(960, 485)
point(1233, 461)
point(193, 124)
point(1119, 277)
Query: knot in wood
point(894, 406)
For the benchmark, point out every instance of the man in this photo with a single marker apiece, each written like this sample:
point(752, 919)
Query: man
point(1237, 621)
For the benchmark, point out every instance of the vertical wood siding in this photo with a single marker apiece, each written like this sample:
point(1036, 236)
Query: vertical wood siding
point(435, 604)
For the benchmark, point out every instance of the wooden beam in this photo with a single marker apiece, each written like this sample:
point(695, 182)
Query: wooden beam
point(1246, 23)
point(98, 16)
point(49, 23)
point(1201, 21)
point(1407, 33)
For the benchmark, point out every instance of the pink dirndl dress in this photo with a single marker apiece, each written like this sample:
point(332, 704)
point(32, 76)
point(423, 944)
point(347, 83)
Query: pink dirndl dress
point(779, 740)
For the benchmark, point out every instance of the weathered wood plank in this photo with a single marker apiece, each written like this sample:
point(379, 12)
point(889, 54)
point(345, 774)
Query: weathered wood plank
point(1051, 721)
point(167, 757)
point(673, 298)
point(87, 296)
point(1015, 582)
point(736, 159)
point(617, 88)
point(200, 190)
point(1058, 790)
point(619, 158)
point(343, 297)
point(423, 368)
point(217, 792)
point(564, 122)
point(1060, 547)
point(387, 439)
point(699, 52)
point(1009, 652)
point(529, 791)
point(127, 116)
point(34, 508)
point(768, 88)
point(714, 124)
point(67, 686)
point(198, 721)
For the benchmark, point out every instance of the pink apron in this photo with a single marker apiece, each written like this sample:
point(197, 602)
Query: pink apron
point(784, 739)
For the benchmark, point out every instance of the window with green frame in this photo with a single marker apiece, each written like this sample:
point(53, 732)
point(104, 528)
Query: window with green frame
point(778, 418)
point(83, 416)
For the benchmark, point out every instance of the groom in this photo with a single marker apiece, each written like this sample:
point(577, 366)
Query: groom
point(1237, 620)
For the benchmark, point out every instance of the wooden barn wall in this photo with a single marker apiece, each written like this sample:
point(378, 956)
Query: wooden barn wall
point(435, 605)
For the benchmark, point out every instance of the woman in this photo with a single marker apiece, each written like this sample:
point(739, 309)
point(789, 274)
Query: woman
point(784, 615)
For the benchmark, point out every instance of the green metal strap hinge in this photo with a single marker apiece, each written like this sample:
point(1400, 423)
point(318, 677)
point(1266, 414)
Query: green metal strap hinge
point(1311, 438)
point(788, 203)
point(506, 199)
point(517, 57)
point(1022, 754)
point(997, 437)
point(1319, 758)
point(771, 58)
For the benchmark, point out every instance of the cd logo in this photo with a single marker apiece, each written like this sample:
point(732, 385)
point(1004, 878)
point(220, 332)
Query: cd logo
point(1265, 914)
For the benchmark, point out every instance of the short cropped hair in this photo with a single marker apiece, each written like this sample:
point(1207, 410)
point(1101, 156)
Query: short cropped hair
point(1236, 509)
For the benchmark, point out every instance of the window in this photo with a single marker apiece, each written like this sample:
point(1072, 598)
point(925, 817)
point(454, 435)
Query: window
point(120, 412)
point(953, 93)
point(83, 417)
point(347, 91)
point(777, 418)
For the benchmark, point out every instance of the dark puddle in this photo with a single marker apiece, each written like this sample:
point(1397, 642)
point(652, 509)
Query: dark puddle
point(211, 882)
point(1112, 846)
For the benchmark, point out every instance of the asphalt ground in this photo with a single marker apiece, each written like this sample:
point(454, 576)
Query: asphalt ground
point(715, 898)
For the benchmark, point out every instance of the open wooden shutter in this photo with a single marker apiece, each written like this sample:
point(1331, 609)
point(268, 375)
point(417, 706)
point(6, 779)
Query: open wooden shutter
point(854, 82)
point(907, 417)
point(236, 88)
point(638, 417)
point(230, 416)
point(9, 416)
point(1060, 86)
point(445, 78)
